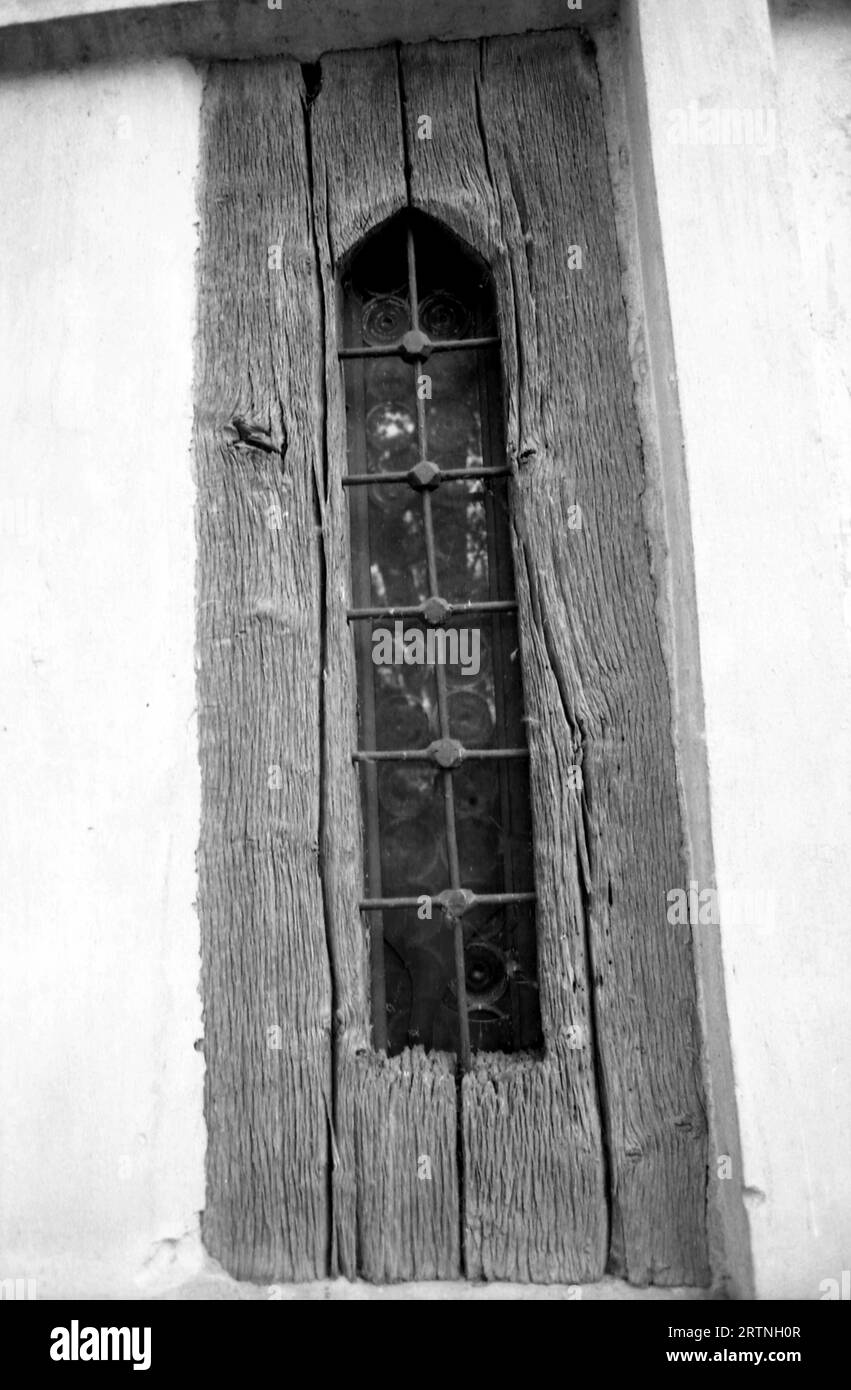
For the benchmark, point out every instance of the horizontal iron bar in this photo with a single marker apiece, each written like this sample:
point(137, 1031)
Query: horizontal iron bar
point(441, 345)
point(447, 475)
point(424, 755)
point(376, 904)
point(416, 611)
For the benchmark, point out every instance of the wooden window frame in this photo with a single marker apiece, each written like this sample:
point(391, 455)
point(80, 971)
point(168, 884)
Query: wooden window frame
point(615, 1167)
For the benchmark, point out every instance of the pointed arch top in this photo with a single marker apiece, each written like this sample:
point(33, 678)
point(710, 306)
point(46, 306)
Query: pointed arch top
point(422, 288)
point(378, 260)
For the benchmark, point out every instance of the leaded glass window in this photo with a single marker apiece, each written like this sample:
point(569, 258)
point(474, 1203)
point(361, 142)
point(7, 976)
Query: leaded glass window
point(442, 748)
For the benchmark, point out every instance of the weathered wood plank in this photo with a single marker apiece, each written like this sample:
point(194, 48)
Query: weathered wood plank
point(264, 958)
point(535, 1196)
point(358, 149)
point(390, 1222)
point(396, 1217)
point(517, 127)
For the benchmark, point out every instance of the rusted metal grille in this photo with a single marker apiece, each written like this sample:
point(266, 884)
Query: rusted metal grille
point(443, 758)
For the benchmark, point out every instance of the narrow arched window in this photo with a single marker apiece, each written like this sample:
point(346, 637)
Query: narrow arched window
point(442, 748)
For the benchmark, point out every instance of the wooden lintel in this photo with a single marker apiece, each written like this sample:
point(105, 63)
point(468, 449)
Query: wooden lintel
point(56, 34)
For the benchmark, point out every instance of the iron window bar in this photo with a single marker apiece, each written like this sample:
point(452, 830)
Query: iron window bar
point(420, 352)
point(435, 611)
point(444, 475)
point(435, 753)
point(415, 347)
point(455, 908)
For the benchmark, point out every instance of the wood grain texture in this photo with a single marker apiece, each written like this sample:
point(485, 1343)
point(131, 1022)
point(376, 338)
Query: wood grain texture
point(264, 957)
point(517, 166)
point(396, 1217)
point(389, 1223)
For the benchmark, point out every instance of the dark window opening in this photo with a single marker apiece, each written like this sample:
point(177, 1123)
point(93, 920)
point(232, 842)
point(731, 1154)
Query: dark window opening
point(442, 746)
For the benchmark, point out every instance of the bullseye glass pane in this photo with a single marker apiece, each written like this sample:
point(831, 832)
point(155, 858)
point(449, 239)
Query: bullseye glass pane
point(378, 274)
point(461, 541)
point(394, 514)
point(419, 971)
point(453, 412)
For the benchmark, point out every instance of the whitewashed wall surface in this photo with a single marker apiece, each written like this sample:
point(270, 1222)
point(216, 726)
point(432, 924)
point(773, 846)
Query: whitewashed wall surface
point(102, 1142)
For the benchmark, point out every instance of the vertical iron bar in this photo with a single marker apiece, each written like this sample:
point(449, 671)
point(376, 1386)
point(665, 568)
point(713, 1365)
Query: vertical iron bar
point(361, 584)
point(442, 700)
point(461, 977)
point(412, 277)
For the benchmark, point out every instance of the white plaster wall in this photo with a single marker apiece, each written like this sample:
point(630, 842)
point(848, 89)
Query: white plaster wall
point(813, 52)
point(101, 1146)
point(803, 1132)
point(765, 498)
point(29, 11)
point(812, 40)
